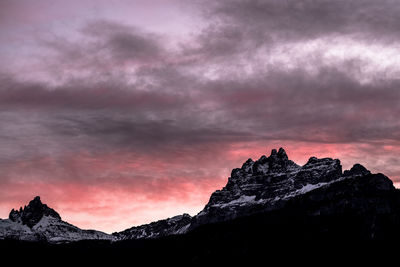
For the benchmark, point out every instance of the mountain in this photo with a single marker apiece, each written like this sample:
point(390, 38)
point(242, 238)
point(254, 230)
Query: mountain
point(271, 198)
point(266, 184)
point(171, 226)
point(38, 222)
point(275, 183)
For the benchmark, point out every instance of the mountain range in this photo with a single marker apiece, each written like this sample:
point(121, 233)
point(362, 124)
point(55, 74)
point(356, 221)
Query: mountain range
point(268, 200)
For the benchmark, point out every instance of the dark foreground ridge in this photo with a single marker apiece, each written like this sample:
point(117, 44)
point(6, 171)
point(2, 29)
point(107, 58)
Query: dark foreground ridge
point(268, 206)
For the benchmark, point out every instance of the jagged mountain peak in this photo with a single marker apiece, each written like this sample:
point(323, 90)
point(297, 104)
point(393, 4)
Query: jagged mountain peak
point(30, 215)
point(280, 154)
point(270, 181)
point(357, 170)
point(275, 154)
point(278, 161)
point(37, 221)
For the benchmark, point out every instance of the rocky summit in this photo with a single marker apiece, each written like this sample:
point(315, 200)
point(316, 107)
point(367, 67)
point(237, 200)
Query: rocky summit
point(38, 222)
point(32, 213)
point(269, 182)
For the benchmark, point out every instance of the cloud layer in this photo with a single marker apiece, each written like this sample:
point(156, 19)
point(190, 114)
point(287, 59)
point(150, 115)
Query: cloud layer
point(145, 124)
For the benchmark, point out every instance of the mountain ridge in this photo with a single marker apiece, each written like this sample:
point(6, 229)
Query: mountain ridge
point(268, 184)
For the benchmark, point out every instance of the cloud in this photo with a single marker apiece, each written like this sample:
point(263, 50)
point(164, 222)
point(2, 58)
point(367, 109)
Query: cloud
point(113, 107)
point(245, 37)
point(84, 94)
point(294, 20)
point(124, 43)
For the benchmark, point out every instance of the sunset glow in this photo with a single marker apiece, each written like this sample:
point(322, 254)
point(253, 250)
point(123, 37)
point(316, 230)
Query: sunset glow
point(119, 113)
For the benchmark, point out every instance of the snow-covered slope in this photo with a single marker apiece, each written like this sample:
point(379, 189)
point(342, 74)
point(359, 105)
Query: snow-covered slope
point(14, 230)
point(37, 222)
point(171, 226)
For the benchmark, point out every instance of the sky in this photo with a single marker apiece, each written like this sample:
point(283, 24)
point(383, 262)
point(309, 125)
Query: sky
point(119, 113)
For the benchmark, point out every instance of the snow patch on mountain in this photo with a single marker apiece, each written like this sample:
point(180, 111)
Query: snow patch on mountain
point(171, 226)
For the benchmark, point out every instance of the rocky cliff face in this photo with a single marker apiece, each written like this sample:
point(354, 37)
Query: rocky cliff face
point(266, 184)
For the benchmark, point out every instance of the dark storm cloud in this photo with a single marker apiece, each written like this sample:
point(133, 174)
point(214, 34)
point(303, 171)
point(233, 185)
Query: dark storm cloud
point(124, 42)
point(110, 40)
point(284, 106)
point(81, 94)
point(123, 131)
point(101, 51)
point(295, 106)
point(291, 19)
point(239, 28)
